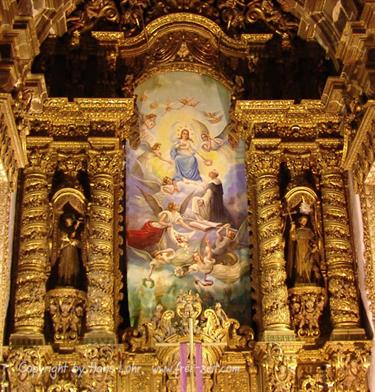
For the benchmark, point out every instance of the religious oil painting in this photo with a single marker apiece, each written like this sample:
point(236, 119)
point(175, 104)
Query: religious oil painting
point(186, 200)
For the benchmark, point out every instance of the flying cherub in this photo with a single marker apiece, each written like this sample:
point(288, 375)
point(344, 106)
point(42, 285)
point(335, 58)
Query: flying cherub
point(208, 143)
point(213, 117)
point(189, 101)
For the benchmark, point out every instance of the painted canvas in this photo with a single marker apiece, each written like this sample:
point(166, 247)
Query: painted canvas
point(186, 200)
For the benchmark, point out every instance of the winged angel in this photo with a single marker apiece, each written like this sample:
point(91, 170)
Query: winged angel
point(218, 260)
point(161, 231)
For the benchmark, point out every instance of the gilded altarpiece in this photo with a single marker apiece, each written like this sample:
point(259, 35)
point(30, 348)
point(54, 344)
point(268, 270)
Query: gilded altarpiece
point(277, 311)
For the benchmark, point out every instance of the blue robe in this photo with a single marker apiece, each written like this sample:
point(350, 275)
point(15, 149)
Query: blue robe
point(186, 166)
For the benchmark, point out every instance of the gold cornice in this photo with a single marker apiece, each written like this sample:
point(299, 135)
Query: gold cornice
point(284, 112)
point(177, 22)
point(59, 111)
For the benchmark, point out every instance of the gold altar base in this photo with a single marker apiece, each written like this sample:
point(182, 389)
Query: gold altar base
point(267, 366)
point(148, 359)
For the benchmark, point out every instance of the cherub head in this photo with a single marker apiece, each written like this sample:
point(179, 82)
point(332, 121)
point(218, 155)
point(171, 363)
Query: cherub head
point(148, 283)
point(197, 257)
point(156, 147)
point(205, 136)
point(149, 120)
point(231, 233)
point(158, 254)
point(181, 240)
point(167, 180)
point(179, 272)
point(172, 206)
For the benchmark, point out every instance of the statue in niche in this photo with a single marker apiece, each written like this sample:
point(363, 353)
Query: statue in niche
point(68, 241)
point(303, 252)
point(304, 258)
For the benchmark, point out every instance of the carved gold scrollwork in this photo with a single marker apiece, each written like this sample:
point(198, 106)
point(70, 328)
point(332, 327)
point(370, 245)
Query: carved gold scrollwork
point(279, 368)
point(348, 366)
point(27, 368)
point(306, 307)
point(101, 368)
point(213, 328)
point(66, 307)
point(368, 208)
point(7, 155)
point(62, 386)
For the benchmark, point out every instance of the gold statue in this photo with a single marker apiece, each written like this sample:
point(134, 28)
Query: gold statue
point(68, 269)
point(69, 260)
point(68, 240)
point(303, 255)
point(303, 239)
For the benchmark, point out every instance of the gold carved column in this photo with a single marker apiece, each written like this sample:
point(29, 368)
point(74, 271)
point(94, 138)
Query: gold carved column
point(33, 262)
point(104, 166)
point(264, 167)
point(338, 248)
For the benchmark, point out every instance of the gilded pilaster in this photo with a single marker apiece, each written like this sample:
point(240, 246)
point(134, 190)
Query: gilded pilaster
point(33, 263)
point(5, 206)
point(264, 166)
point(103, 167)
point(339, 254)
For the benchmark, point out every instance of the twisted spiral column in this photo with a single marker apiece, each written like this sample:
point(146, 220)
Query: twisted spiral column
point(264, 167)
point(33, 263)
point(343, 294)
point(100, 320)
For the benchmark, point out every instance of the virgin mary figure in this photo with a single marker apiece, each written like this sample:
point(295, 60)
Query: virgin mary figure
point(186, 164)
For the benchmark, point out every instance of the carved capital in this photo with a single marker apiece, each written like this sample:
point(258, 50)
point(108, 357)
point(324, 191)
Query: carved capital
point(261, 163)
point(71, 163)
point(329, 161)
point(104, 162)
point(105, 358)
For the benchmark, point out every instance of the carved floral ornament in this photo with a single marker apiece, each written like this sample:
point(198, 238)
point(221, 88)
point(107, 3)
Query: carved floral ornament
point(235, 17)
point(210, 326)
